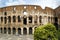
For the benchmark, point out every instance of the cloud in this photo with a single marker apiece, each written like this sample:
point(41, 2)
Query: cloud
point(49, 3)
point(43, 3)
point(11, 2)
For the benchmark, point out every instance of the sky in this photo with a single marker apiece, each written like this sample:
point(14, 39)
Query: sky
point(43, 3)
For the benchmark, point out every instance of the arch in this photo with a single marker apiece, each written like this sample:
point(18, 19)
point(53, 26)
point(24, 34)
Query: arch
point(19, 19)
point(30, 18)
point(49, 19)
point(19, 30)
point(35, 19)
point(24, 31)
point(14, 18)
point(5, 13)
point(5, 30)
point(14, 30)
point(1, 30)
point(1, 19)
point(24, 20)
point(9, 19)
point(45, 19)
point(5, 20)
point(40, 19)
point(35, 27)
point(9, 30)
point(30, 30)
point(56, 22)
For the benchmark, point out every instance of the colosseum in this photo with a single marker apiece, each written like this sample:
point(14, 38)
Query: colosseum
point(23, 19)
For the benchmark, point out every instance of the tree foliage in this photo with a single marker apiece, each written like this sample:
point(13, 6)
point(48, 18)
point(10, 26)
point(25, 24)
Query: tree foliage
point(45, 32)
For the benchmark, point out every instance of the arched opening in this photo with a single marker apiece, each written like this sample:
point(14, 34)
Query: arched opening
point(49, 19)
point(1, 30)
point(5, 13)
point(19, 30)
point(24, 31)
point(14, 18)
point(30, 30)
point(25, 20)
point(5, 30)
point(9, 19)
point(9, 30)
point(19, 19)
point(5, 20)
point(30, 19)
point(35, 27)
point(45, 19)
point(35, 19)
point(14, 30)
point(1, 19)
point(40, 19)
point(56, 22)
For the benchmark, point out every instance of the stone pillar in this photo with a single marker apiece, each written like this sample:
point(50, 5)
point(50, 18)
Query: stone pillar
point(11, 19)
point(22, 31)
point(7, 20)
point(0, 20)
point(52, 19)
point(38, 20)
point(3, 30)
point(16, 20)
point(7, 30)
point(3, 20)
point(22, 20)
point(0, 30)
point(33, 20)
point(33, 30)
point(27, 30)
point(27, 21)
point(42, 20)
point(16, 31)
point(11, 31)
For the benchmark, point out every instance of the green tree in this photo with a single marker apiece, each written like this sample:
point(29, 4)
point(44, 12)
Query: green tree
point(45, 32)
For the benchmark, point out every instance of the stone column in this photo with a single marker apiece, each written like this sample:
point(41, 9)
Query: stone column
point(16, 31)
point(11, 31)
point(3, 30)
point(52, 19)
point(12, 19)
point(0, 20)
point(7, 20)
point(22, 31)
point(3, 20)
point(33, 20)
point(33, 30)
point(27, 30)
point(27, 21)
point(7, 30)
point(16, 20)
point(38, 20)
point(0, 30)
point(42, 20)
point(22, 20)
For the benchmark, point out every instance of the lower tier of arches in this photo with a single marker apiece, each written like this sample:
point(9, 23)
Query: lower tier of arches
point(19, 31)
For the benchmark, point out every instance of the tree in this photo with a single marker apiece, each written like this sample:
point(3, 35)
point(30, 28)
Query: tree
point(45, 32)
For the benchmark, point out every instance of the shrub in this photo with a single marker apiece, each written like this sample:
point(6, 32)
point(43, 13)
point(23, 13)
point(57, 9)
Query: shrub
point(45, 32)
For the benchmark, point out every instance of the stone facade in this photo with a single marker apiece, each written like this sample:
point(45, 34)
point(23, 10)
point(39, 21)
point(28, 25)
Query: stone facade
point(23, 19)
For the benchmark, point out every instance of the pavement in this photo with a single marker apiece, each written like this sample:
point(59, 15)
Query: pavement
point(15, 37)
